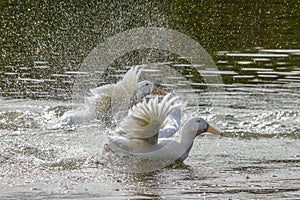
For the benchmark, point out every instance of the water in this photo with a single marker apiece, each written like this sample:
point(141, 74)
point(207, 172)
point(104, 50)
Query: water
point(257, 53)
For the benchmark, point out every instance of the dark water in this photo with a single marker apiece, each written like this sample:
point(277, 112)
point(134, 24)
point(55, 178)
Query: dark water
point(255, 46)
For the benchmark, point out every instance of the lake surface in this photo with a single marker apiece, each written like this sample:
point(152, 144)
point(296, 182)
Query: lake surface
point(256, 51)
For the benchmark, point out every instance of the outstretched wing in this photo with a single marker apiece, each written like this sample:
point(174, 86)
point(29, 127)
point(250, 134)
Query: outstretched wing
point(124, 93)
point(100, 99)
point(145, 119)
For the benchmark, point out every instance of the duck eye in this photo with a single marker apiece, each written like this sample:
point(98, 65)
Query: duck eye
point(147, 84)
point(198, 120)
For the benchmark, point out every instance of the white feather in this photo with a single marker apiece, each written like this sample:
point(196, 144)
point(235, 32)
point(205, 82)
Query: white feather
point(124, 93)
point(145, 119)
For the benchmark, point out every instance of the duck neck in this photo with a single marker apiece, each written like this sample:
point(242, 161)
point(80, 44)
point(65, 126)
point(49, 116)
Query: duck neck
point(187, 136)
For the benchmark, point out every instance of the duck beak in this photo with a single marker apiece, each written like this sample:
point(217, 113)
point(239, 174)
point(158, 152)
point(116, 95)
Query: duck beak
point(156, 90)
point(211, 129)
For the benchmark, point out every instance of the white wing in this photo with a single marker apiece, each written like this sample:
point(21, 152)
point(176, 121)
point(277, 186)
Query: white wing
point(115, 97)
point(97, 92)
point(100, 99)
point(124, 92)
point(146, 118)
point(104, 89)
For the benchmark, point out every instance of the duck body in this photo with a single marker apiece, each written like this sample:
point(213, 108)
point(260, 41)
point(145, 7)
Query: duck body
point(112, 101)
point(141, 128)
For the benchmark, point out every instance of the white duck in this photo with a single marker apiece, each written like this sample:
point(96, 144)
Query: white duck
point(112, 99)
point(138, 132)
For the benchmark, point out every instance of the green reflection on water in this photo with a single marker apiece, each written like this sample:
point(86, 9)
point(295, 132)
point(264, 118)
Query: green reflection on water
point(62, 34)
point(228, 25)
